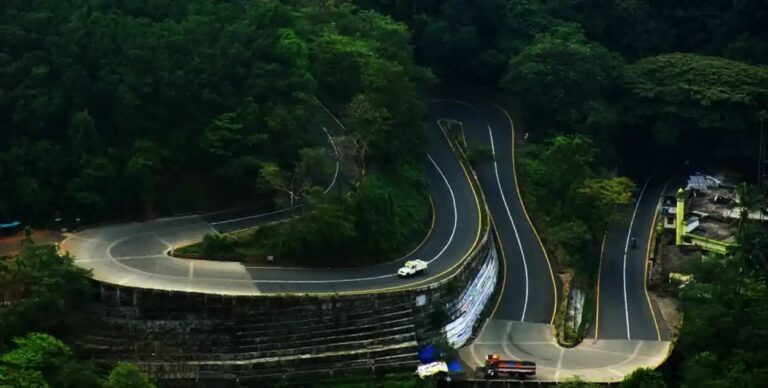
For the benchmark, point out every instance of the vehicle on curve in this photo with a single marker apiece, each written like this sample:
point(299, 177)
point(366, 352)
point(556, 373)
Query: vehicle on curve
point(412, 267)
point(497, 367)
point(432, 369)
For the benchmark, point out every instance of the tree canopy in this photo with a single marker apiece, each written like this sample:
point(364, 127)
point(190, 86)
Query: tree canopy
point(728, 295)
point(695, 96)
point(565, 82)
point(38, 284)
point(643, 378)
point(123, 109)
point(141, 108)
point(39, 361)
point(126, 375)
point(572, 198)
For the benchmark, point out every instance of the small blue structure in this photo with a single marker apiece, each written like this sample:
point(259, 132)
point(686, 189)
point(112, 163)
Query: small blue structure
point(10, 228)
point(427, 354)
point(454, 366)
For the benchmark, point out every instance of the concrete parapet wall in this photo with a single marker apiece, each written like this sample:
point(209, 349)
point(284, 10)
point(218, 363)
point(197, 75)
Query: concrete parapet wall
point(211, 339)
point(194, 339)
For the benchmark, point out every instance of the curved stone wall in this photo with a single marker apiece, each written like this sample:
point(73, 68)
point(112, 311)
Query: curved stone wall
point(198, 339)
point(181, 338)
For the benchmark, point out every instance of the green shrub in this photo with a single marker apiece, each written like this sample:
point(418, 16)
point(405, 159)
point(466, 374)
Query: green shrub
point(216, 244)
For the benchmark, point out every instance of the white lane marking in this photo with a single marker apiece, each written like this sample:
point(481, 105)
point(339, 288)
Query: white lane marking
point(455, 210)
point(632, 356)
point(617, 373)
point(90, 260)
point(125, 279)
point(333, 182)
point(474, 356)
point(322, 281)
point(508, 338)
point(613, 352)
point(155, 256)
point(626, 248)
point(448, 243)
point(167, 244)
point(559, 365)
point(335, 151)
point(437, 256)
point(275, 268)
point(251, 217)
point(76, 237)
point(514, 227)
point(534, 343)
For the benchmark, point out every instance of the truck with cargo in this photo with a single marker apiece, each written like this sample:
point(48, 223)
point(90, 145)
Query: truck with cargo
point(497, 367)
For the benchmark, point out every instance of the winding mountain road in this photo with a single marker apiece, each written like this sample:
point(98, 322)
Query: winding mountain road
point(136, 254)
point(627, 333)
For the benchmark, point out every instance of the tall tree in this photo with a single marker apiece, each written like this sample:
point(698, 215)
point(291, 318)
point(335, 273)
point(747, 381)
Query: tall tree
point(40, 283)
point(714, 101)
point(127, 375)
point(366, 123)
point(606, 197)
point(643, 378)
point(40, 360)
point(144, 166)
point(561, 68)
point(312, 166)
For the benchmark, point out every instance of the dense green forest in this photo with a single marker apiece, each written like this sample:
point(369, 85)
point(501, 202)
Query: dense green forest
point(611, 68)
point(42, 296)
point(148, 107)
point(111, 109)
point(627, 85)
point(612, 88)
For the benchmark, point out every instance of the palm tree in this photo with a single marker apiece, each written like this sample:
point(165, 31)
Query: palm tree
point(750, 236)
point(749, 199)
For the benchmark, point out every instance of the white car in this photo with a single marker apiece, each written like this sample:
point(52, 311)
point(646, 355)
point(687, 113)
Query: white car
point(431, 369)
point(412, 267)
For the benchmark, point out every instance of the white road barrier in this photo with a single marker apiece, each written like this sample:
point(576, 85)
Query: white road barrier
point(472, 301)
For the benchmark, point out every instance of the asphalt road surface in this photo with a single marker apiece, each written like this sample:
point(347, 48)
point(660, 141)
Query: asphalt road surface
point(520, 325)
point(136, 254)
point(628, 331)
point(626, 311)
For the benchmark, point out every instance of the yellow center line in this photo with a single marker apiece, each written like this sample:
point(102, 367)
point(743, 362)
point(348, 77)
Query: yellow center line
point(647, 258)
point(599, 274)
point(504, 265)
point(412, 285)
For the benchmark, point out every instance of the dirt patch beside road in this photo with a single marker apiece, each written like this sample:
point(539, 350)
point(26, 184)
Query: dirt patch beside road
point(668, 306)
point(10, 245)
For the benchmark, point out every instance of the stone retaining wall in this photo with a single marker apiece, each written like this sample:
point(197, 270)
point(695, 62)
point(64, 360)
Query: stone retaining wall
point(208, 340)
point(193, 339)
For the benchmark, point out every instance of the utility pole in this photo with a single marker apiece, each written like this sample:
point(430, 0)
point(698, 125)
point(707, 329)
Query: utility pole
point(761, 174)
point(680, 216)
